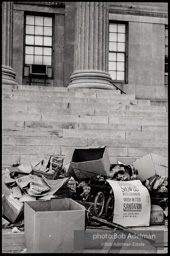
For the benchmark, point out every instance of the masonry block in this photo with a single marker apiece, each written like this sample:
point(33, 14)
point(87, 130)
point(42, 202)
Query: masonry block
point(143, 151)
point(156, 109)
point(113, 127)
point(13, 124)
point(31, 150)
point(32, 132)
point(161, 129)
point(93, 134)
point(117, 152)
point(146, 135)
point(145, 91)
point(160, 92)
point(143, 102)
point(22, 117)
point(158, 78)
point(75, 118)
point(138, 121)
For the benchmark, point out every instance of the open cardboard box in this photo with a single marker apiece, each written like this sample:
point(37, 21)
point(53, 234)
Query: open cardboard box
point(13, 209)
point(87, 162)
point(50, 225)
point(151, 164)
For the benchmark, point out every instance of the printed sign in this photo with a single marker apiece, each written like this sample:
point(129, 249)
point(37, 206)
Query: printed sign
point(132, 204)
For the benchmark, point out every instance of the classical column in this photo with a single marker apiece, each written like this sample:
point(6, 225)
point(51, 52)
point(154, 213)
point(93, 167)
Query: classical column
point(8, 74)
point(91, 47)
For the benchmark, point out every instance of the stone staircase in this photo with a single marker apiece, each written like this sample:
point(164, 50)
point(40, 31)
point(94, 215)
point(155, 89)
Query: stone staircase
point(40, 121)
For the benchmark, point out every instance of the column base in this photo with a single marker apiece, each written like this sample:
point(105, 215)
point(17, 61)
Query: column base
point(91, 79)
point(8, 75)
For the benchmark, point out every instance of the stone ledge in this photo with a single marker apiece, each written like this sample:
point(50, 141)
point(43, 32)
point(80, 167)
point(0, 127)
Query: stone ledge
point(15, 242)
point(41, 3)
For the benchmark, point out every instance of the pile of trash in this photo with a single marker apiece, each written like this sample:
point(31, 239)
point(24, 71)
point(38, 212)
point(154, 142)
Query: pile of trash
point(29, 183)
point(158, 189)
point(77, 177)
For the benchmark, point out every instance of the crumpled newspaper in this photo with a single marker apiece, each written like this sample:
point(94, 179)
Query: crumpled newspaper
point(122, 172)
point(158, 189)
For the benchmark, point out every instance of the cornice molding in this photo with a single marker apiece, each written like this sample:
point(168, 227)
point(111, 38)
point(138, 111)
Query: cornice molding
point(137, 12)
point(41, 3)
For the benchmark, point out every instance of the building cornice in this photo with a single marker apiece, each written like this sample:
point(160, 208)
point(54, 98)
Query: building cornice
point(41, 3)
point(139, 13)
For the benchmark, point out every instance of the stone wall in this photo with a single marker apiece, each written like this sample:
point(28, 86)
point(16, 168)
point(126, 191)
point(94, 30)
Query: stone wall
point(63, 40)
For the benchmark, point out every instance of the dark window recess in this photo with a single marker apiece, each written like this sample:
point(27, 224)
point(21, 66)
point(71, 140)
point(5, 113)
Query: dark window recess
point(166, 67)
point(38, 69)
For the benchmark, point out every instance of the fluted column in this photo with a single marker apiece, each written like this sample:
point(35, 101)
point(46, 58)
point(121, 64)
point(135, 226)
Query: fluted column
point(91, 46)
point(8, 74)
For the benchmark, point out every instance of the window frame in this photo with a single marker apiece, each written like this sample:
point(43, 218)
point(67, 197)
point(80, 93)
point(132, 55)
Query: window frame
point(125, 81)
point(42, 14)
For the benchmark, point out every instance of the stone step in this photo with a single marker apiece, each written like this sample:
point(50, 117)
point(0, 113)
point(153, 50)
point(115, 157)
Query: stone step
point(122, 134)
point(31, 150)
point(140, 135)
point(56, 93)
point(65, 98)
point(61, 150)
point(20, 140)
point(115, 111)
point(147, 109)
point(30, 125)
point(53, 126)
point(36, 125)
point(144, 102)
point(42, 141)
point(138, 121)
point(98, 106)
point(58, 133)
point(58, 89)
point(127, 143)
point(113, 119)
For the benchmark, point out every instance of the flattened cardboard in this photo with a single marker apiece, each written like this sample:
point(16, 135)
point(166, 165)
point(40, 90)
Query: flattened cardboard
point(50, 225)
point(151, 164)
point(13, 209)
point(87, 162)
point(55, 185)
point(5, 190)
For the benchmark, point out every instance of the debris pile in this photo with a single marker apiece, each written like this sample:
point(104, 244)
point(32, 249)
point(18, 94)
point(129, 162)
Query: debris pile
point(29, 183)
point(84, 176)
point(158, 188)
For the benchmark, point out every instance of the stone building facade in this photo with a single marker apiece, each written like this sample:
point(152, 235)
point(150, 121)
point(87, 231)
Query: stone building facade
point(52, 40)
point(51, 48)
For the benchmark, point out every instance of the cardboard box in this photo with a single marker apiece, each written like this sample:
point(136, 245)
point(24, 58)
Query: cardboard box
point(50, 225)
point(151, 164)
point(87, 162)
point(13, 209)
point(5, 190)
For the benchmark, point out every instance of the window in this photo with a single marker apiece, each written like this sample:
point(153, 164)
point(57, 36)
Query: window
point(117, 51)
point(38, 42)
point(166, 55)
